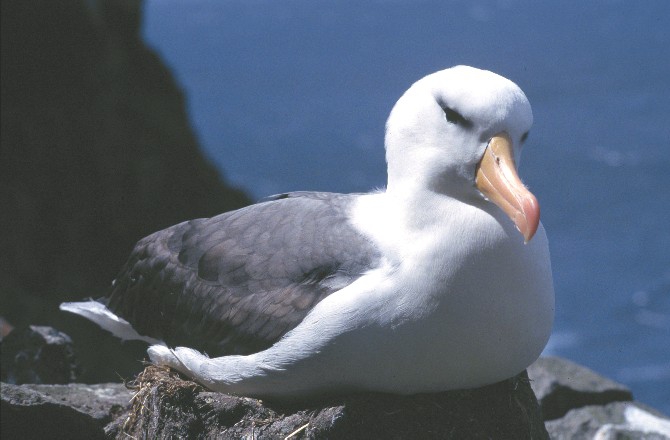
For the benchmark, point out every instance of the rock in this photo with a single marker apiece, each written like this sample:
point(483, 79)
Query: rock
point(73, 411)
point(561, 385)
point(97, 152)
point(164, 405)
point(170, 407)
point(578, 403)
point(5, 328)
point(97, 149)
point(36, 354)
point(614, 421)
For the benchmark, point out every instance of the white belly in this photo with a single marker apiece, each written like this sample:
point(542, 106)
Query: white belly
point(481, 321)
point(483, 329)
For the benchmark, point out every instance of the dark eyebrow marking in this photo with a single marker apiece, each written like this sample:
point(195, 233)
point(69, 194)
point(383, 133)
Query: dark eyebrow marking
point(524, 137)
point(455, 117)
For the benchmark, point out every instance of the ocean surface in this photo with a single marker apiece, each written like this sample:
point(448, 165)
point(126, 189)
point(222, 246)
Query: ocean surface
point(294, 95)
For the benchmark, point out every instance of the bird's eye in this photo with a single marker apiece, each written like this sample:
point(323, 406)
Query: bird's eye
point(524, 137)
point(455, 118)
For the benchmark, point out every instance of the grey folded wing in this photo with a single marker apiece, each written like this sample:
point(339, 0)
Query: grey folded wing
point(237, 282)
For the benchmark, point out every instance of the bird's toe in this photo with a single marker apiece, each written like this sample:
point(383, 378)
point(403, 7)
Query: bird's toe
point(162, 355)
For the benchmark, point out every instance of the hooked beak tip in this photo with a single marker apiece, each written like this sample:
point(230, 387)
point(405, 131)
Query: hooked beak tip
point(527, 220)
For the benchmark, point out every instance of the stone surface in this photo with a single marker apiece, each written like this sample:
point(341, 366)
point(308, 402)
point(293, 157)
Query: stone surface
point(561, 385)
point(38, 354)
point(164, 405)
point(614, 421)
point(169, 407)
point(73, 411)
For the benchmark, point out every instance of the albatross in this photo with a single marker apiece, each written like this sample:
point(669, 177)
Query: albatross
point(441, 281)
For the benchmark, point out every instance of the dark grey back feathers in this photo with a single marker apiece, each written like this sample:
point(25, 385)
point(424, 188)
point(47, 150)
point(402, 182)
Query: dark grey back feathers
point(237, 282)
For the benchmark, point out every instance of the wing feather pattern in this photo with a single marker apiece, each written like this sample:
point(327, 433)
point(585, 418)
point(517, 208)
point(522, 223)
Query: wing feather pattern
point(237, 282)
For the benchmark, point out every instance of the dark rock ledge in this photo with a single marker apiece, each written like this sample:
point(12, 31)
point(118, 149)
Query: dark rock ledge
point(576, 402)
point(72, 411)
point(160, 404)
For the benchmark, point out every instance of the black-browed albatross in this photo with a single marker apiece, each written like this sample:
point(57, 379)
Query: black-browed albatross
point(425, 286)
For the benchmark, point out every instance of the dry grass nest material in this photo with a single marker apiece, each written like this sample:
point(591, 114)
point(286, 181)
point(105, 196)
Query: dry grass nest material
point(156, 382)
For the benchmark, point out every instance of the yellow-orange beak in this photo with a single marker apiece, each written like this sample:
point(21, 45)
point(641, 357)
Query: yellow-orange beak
point(498, 180)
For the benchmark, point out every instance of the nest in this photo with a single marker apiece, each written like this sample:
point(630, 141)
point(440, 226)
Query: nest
point(154, 385)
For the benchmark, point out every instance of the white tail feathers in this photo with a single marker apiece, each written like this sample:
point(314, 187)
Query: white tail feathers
point(101, 315)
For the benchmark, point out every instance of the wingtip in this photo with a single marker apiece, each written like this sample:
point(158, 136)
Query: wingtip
point(106, 319)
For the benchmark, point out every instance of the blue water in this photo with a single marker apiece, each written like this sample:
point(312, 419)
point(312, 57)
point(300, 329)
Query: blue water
point(295, 96)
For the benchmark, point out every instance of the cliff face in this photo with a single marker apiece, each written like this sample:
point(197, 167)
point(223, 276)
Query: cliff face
point(96, 152)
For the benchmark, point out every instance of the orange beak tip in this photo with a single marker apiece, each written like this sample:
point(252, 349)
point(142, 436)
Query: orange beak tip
point(530, 213)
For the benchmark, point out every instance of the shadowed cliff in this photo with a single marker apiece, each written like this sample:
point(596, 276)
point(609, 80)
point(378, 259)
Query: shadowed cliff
point(96, 152)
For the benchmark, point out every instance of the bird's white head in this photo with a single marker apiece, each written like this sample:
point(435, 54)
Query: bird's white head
point(459, 132)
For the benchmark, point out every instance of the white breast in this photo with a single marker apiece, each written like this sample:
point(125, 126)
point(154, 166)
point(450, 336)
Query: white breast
point(466, 303)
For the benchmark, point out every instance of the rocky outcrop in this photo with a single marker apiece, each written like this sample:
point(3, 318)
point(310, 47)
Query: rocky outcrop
point(38, 354)
point(614, 421)
point(161, 404)
point(96, 152)
point(577, 403)
point(73, 411)
point(166, 406)
point(561, 385)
